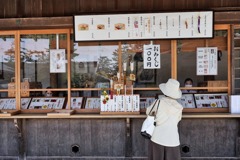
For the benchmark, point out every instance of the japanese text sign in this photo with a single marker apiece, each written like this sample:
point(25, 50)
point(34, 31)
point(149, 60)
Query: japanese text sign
point(207, 61)
point(151, 57)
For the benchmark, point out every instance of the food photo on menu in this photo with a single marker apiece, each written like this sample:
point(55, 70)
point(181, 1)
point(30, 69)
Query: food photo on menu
point(211, 100)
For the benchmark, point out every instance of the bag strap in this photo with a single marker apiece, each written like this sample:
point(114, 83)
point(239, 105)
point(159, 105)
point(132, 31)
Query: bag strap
point(158, 100)
point(158, 105)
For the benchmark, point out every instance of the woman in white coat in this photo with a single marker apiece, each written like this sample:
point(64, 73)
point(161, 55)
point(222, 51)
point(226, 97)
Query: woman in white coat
point(164, 144)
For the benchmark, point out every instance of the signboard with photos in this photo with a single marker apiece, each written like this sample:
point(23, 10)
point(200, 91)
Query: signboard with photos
point(10, 103)
point(143, 26)
point(211, 100)
point(207, 63)
point(47, 103)
point(215, 100)
point(92, 103)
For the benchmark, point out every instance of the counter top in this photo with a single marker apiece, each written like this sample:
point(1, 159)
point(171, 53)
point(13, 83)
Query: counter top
point(115, 116)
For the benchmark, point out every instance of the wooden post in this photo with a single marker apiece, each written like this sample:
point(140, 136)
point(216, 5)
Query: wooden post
point(174, 58)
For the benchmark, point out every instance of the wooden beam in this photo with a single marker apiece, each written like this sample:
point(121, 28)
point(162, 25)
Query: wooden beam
point(36, 23)
point(227, 17)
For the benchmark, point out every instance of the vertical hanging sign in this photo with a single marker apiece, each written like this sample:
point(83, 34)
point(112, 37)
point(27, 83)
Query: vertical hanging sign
point(151, 56)
point(207, 61)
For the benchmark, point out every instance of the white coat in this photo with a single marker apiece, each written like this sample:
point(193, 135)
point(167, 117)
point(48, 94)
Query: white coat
point(168, 115)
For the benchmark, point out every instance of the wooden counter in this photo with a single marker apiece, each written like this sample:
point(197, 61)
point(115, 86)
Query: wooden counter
point(98, 116)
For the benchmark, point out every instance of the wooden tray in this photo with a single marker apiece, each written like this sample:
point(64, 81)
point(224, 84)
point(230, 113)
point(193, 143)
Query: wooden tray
point(8, 113)
point(60, 113)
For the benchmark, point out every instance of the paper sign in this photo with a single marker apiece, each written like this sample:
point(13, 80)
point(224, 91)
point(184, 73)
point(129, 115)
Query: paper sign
point(207, 61)
point(151, 57)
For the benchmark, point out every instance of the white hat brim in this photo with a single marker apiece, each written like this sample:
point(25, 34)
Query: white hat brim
point(173, 94)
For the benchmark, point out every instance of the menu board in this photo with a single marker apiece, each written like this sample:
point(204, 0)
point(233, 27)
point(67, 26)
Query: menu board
point(47, 103)
point(211, 100)
point(10, 103)
point(25, 103)
point(143, 26)
point(92, 103)
point(207, 61)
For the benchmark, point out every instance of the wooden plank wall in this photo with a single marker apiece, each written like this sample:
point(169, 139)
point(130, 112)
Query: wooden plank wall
point(9, 142)
point(56, 8)
point(95, 137)
point(210, 137)
point(107, 139)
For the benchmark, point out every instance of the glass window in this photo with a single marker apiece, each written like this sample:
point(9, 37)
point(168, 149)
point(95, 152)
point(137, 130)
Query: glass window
point(43, 62)
point(149, 77)
point(186, 59)
point(93, 64)
point(7, 65)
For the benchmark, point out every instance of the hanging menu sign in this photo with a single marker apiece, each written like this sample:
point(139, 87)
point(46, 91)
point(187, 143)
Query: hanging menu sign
point(143, 26)
point(207, 61)
point(151, 57)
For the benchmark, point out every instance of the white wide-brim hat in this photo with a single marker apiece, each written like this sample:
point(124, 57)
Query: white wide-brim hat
point(171, 89)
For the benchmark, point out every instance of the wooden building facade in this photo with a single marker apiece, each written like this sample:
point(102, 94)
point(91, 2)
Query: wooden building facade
point(203, 136)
